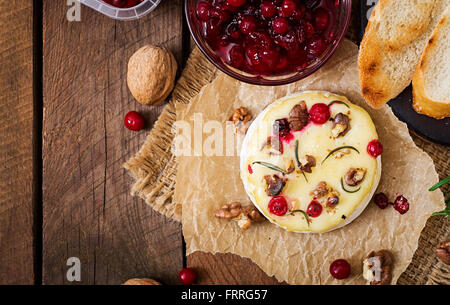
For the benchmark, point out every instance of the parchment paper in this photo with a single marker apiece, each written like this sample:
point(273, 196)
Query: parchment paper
point(205, 183)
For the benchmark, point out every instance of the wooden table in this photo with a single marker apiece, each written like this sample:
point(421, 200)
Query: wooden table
point(64, 193)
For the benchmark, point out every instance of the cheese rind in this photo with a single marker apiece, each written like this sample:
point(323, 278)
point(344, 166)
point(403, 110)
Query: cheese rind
point(317, 141)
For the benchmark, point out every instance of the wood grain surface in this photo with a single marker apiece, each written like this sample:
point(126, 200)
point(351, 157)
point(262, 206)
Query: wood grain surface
point(87, 210)
point(17, 171)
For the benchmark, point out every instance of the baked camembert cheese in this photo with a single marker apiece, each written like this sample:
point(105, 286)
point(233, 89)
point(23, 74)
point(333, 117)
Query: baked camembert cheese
point(311, 162)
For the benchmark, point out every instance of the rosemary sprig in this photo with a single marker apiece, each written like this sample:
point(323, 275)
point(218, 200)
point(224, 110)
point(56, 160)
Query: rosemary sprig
point(439, 184)
point(348, 191)
point(445, 212)
point(338, 102)
point(298, 161)
point(337, 149)
point(271, 166)
point(300, 211)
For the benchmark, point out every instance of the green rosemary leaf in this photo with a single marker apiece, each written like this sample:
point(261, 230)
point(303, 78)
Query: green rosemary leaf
point(300, 211)
point(442, 213)
point(439, 184)
point(337, 102)
point(348, 191)
point(298, 161)
point(337, 149)
point(271, 166)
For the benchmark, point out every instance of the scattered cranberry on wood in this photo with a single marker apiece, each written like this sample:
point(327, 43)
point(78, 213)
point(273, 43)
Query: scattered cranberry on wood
point(187, 276)
point(134, 121)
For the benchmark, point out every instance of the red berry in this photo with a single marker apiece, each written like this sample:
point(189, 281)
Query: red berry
point(278, 206)
point(316, 46)
point(203, 10)
point(269, 59)
point(320, 113)
point(134, 121)
point(308, 29)
point(250, 169)
point(401, 204)
point(321, 19)
point(237, 57)
point(268, 9)
point(280, 25)
point(374, 148)
point(287, 8)
point(248, 25)
point(187, 276)
point(340, 269)
point(381, 200)
point(314, 209)
point(236, 3)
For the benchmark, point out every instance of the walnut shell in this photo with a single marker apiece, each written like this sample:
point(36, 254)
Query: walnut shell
point(138, 282)
point(151, 74)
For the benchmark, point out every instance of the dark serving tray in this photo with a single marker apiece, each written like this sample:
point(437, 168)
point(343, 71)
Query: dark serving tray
point(435, 130)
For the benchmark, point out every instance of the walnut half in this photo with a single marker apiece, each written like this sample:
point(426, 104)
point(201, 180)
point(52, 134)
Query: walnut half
point(244, 216)
point(377, 267)
point(241, 118)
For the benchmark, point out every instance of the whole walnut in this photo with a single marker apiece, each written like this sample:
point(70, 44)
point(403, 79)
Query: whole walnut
point(151, 74)
point(143, 281)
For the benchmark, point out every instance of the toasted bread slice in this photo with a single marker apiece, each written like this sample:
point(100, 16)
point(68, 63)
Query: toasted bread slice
point(431, 81)
point(394, 39)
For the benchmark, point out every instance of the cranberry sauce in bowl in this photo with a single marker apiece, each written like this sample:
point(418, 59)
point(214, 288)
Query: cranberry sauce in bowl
point(123, 3)
point(268, 42)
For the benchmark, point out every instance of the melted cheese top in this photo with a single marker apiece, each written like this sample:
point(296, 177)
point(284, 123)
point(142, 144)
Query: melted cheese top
point(317, 141)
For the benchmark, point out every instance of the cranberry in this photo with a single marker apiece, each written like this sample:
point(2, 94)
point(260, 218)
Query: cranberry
point(340, 269)
point(123, 3)
point(236, 3)
point(278, 206)
point(299, 12)
point(260, 39)
point(269, 59)
point(237, 57)
point(287, 8)
point(281, 128)
point(374, 148)
point(321, 19)
point(308, 28)
point(381, 200)
point(203, 10)
point(314, 209)
point(280, 25)
point(233, 31)
point(187, 276)
point(250, 169)
point(248, 24)
point(401, 204)
point(316, 46)
point(220, 14)
point(268, 9)
point(320, 113)
point(213, 27)
point(134, 121)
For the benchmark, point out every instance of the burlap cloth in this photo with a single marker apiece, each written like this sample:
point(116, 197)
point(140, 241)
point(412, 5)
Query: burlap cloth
point(154, 170)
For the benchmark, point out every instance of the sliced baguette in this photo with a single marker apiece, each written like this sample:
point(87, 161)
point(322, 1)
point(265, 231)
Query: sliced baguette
point(393, 42)
point(431, 81)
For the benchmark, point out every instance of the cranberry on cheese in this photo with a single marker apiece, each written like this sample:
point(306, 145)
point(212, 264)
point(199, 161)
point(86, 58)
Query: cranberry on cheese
point(305, 165)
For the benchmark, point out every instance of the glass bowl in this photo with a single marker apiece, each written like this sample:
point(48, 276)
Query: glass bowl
point(340, 28)
point(131, 13)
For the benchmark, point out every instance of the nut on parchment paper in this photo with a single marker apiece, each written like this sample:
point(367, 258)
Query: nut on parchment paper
point(143, 281)
point(443, 252)
point(244, 216)
point(241, 118)
point(377, 267)
point(151, 74)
